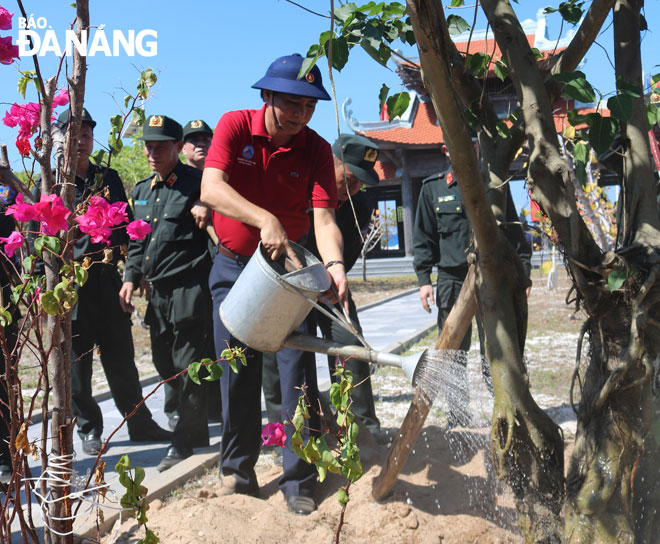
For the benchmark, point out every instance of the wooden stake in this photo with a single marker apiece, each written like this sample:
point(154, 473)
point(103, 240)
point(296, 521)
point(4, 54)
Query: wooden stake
point(452, 334)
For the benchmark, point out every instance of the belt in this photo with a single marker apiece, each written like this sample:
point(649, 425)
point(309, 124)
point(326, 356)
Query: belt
point(229, 253)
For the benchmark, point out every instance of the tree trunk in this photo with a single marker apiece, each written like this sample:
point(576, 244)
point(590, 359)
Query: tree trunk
point(526, 444)
point(59, 328)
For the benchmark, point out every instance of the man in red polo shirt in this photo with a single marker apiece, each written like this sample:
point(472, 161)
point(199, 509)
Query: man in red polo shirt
point(264, 170)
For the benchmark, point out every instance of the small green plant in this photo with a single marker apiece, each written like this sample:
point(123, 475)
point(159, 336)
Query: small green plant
point(135, 498)
point(342, 458)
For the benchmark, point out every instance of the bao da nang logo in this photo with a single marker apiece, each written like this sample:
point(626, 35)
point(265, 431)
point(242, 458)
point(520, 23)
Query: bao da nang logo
point(36, 38)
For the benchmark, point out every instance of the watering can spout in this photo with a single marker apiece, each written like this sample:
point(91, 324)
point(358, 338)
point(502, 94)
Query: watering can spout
point(410, 364)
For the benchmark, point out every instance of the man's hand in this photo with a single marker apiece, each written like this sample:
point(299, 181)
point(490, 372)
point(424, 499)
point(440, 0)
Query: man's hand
point(426, 295)
point(340, 283)
point(275, 241)
point(125, 296)
point(144, 289)
point(201, 214)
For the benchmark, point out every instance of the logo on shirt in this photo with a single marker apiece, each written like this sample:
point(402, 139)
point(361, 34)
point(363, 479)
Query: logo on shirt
point(450, 178)
point(448, 198)
point(248, 152)
point(295, 175)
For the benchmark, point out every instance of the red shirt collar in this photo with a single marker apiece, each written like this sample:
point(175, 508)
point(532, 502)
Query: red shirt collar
point(259, 129)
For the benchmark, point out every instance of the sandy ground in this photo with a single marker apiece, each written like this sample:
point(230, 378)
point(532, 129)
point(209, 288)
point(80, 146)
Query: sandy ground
point(445, 494)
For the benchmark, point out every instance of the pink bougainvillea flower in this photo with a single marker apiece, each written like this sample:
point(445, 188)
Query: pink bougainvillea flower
point(13, 242)
point(52, 213)
point(23, 146)
point(21, 211)
point(273, 435)
point(100, 216)
point(8, 51)
point(137, 230)
point(61, 98)
point(5, 19)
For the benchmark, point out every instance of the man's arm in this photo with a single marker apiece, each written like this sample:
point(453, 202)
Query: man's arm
point(224, 199)
point(425, 246)
point(331, 248)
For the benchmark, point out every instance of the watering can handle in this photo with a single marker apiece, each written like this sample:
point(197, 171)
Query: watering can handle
point(342, 320)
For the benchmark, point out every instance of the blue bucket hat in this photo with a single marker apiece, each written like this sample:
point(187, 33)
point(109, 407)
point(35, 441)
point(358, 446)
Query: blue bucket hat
point(282, 77)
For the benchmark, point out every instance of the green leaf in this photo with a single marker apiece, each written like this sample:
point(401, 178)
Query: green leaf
point(342, 497)
point(376, 50)
point(571, 11)
point(138, 116)
point(339, 52)
point(139, 476)
point(115, 123)
point(574, 118)
point(601, 132)
point(616, 279)
point(307, 64)
point(397, 104)
point(456, 25)
point(503, 129)
point(652, 115)
point(580, 154)
point(98, 157)
point(456, 3)
point(342, 13)
point(49, 303)
point(47, 243)
point(477, 63)
point(5, 317)
point(215, 372)
point(382, 97)
point(80, 273)
point(193, 372)
point(576, 86)
point(628, 87)
point(501, 70)
point(127, 100)
point(22, 85)
point(471, 118)
point(621, 107)
point(27, 263)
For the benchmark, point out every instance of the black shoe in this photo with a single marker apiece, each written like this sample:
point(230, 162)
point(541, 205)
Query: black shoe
point(149, 432)
point(91, 444)
point(174, 455)
point(173, 420)
point(303, 506)
point(5, 474)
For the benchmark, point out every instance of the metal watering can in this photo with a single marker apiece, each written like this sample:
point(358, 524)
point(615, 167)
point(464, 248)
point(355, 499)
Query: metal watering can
point(270, 300)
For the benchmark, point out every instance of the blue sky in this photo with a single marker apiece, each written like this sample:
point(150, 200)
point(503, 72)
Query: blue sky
point(210, 53)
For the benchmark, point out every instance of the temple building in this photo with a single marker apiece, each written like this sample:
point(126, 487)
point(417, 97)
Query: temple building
point(410, 144)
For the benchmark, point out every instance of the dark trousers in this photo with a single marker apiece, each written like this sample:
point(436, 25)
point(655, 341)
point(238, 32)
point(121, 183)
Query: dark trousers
point(241, 398)
point(179, 322)
point(448, 288)
point(362, 396)
point(100, 321)
point(10, 335)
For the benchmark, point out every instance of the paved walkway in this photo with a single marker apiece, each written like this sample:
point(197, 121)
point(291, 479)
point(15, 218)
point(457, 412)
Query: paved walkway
point(390, 325)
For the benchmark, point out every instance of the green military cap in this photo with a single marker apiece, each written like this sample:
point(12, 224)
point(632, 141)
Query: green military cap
point(161, 127)
point(63, 119)
point(360, 154)
point(196, 126)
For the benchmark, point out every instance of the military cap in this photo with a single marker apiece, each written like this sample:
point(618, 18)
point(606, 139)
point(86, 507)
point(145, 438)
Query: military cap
point(160, 128)
point(360, 154)
point(196, 126)
point(63, 119)
point(282, 77)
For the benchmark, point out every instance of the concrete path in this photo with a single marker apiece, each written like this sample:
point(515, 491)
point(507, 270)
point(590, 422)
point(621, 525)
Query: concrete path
point(390, 325)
